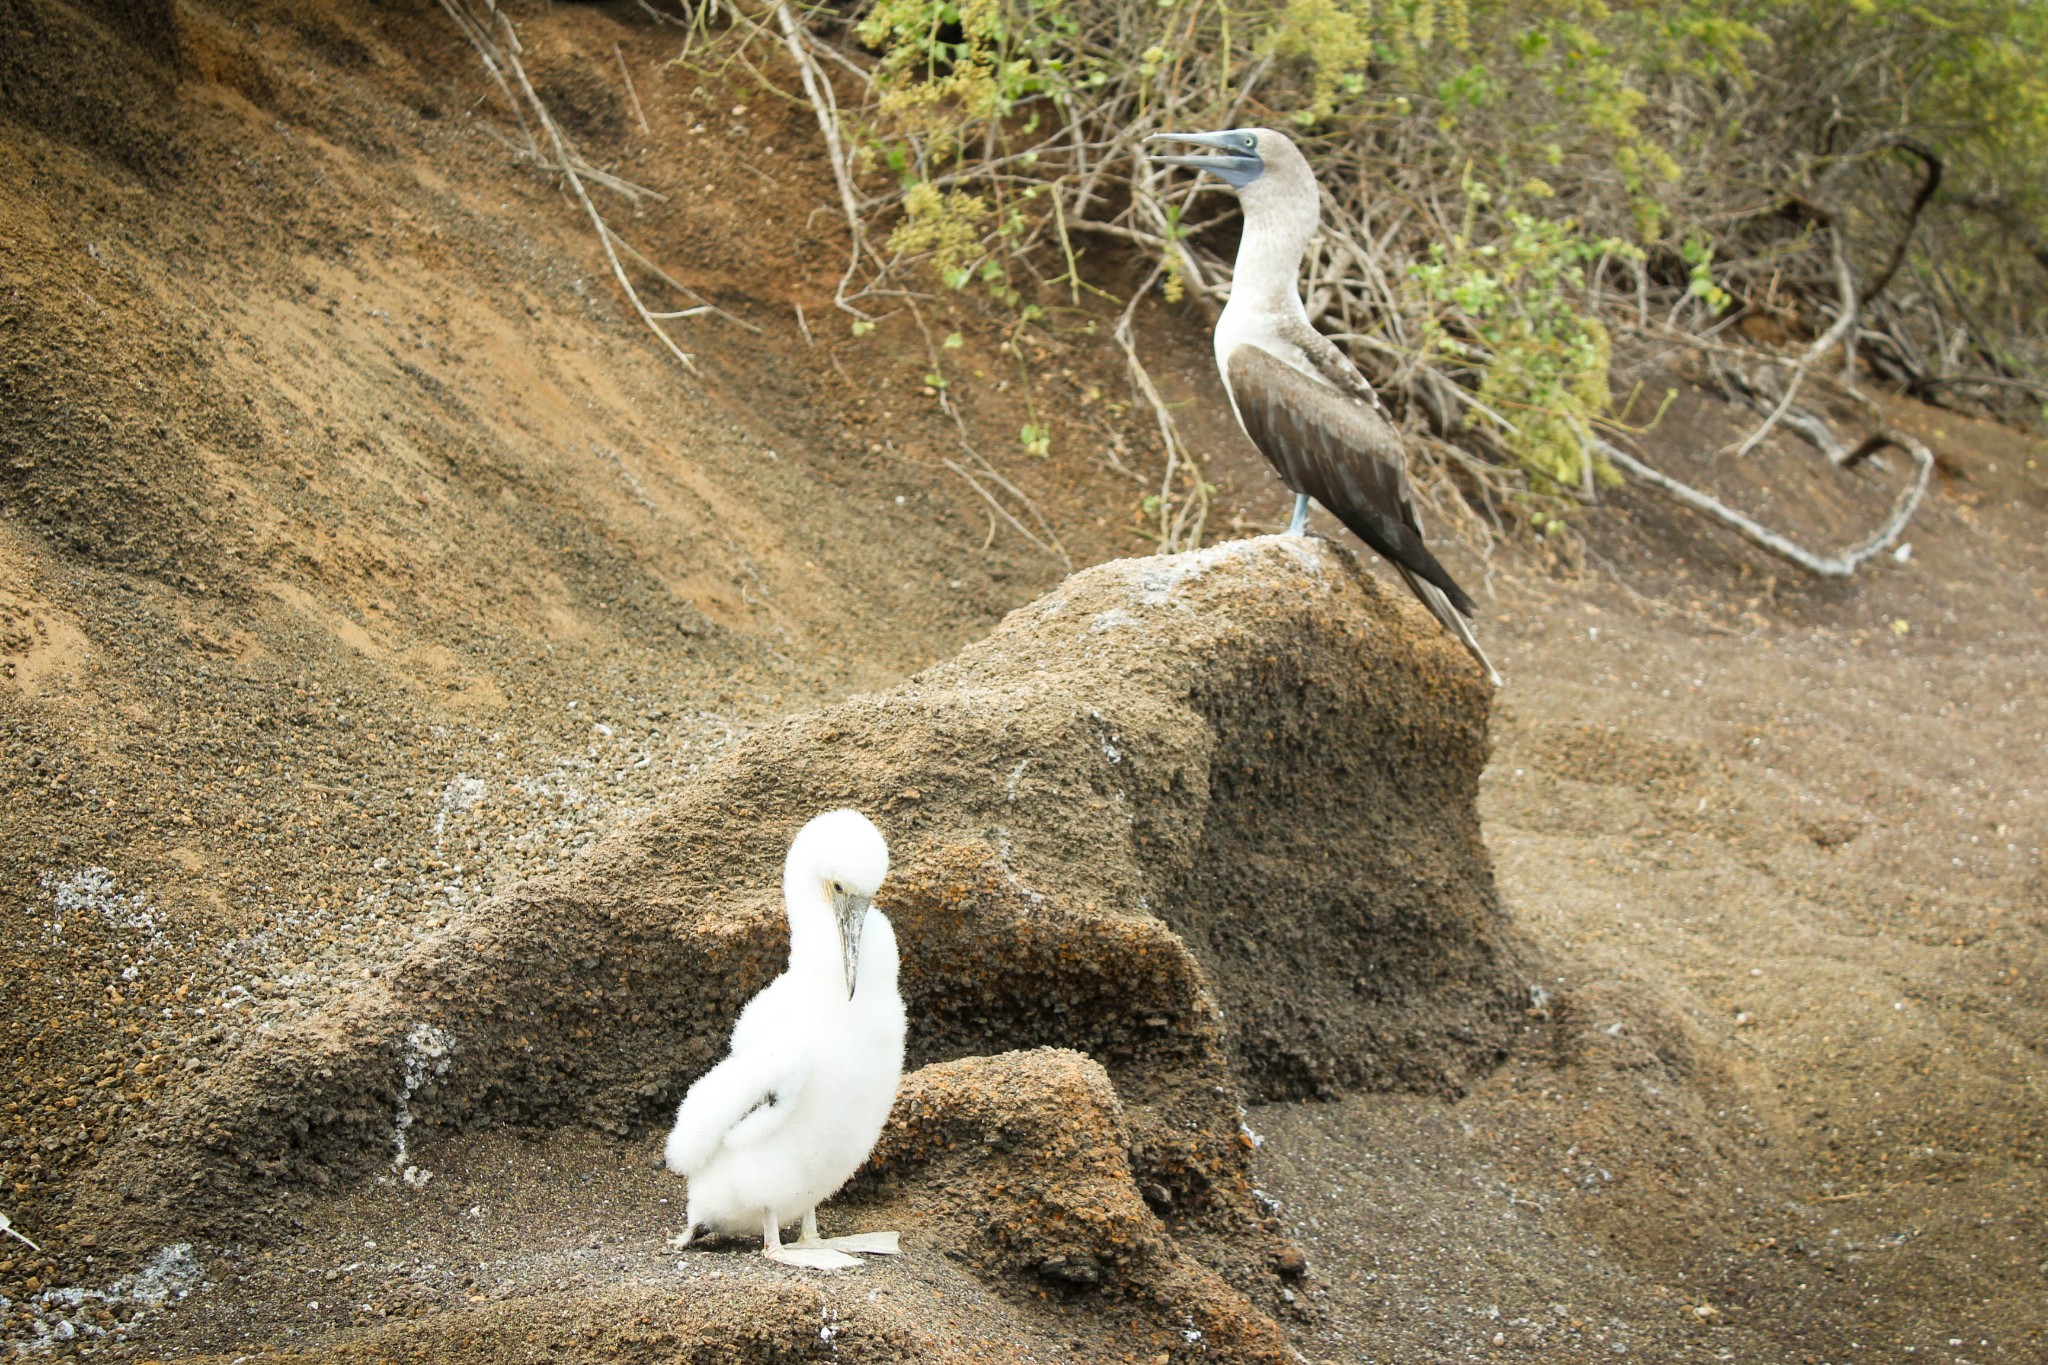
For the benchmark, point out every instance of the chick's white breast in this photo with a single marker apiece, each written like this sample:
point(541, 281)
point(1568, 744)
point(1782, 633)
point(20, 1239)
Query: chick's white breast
point(853, 1063)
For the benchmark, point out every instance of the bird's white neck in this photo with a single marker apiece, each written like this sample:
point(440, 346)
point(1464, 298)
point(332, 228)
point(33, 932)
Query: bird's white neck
point(814, 952)
point(1276, 233)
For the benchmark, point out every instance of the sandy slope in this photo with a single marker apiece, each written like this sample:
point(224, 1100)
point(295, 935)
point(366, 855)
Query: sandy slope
point(359, 555)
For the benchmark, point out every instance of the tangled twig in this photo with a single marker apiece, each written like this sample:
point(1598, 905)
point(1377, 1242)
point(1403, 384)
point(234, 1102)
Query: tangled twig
point(504, 57)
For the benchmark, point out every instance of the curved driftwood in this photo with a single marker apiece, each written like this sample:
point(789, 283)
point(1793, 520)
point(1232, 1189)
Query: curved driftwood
point(1840, 565)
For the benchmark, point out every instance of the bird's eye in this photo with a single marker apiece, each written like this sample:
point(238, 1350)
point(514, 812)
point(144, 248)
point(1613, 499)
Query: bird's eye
point(1250, 142)
point(838, 890)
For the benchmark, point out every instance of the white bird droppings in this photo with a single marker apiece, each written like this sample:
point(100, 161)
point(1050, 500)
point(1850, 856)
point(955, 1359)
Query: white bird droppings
point(92, 888)
point(428, 1051)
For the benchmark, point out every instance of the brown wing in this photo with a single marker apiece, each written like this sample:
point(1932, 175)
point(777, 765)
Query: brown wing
point(1327, 359)
point(1341, 451)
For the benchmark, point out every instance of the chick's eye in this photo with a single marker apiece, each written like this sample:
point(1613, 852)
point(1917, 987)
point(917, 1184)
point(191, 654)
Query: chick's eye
point(1250, 142)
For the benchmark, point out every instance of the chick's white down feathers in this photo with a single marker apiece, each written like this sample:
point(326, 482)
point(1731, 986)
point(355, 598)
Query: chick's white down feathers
point(802, 1096)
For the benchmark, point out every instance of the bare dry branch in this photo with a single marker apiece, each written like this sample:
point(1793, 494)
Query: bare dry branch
point(480, 38)
point(505, 56)
point(1840, 565)
point(825, 105)
point(631, 94)
point(1054, 549)
point(1822, 344)
point(1929, 183)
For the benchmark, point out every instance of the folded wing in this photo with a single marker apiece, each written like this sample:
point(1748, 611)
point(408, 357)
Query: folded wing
point(1346, 455)
point(741, 1100)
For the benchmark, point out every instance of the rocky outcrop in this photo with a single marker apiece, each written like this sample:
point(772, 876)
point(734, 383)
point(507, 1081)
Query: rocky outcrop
point(1018, 1166)
point(1207, 819)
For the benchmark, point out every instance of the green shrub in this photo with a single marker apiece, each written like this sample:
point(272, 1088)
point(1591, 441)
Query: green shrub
point(1660, 138)
point(1515, 312)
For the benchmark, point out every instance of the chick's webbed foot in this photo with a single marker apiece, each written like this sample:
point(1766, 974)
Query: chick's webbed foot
point(809, 1253)
point(820, 1257)
point(873, 1243)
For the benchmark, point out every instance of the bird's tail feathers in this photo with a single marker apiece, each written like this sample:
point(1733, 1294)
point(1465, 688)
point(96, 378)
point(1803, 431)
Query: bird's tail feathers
point(1441, 607)
point(1430, 571)
point(688, 1146)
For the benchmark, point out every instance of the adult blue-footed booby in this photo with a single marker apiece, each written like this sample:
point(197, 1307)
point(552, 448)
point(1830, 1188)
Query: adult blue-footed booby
point(1296, 394)
point(798, 1103)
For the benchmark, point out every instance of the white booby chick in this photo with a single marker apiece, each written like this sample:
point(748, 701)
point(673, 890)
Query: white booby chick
point(798, 1103)
point(1296, 394)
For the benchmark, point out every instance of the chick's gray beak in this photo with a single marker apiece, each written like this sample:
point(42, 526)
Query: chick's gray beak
point(852, 913)
point(1236, 167)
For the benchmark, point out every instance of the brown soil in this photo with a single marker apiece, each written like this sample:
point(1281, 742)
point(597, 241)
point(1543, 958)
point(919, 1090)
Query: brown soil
point(361, 557)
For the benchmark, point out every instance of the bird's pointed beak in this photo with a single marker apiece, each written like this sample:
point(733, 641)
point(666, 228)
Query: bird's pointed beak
point(1238, 166)
point(852, 913)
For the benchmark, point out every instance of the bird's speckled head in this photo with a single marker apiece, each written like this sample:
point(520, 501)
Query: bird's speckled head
point(841, 859)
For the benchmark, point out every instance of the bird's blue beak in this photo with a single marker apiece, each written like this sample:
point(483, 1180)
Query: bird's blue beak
point(1238, 165)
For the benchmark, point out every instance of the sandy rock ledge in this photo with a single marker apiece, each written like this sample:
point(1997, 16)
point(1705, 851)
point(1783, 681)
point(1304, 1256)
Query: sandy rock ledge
point(1185, 833)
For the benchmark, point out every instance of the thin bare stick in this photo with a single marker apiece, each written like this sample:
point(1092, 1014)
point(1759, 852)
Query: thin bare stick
point(1752, 390)
point(1822, 344)
point(479, 38)
point(659, 16)
point(1051, 542)
point(1004, 512)
point(7, 1226)
point(676, 284)
point(825, 104)
point(496, 62)
point(1175, 530)
point(631, 93)
point(1930, 181)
